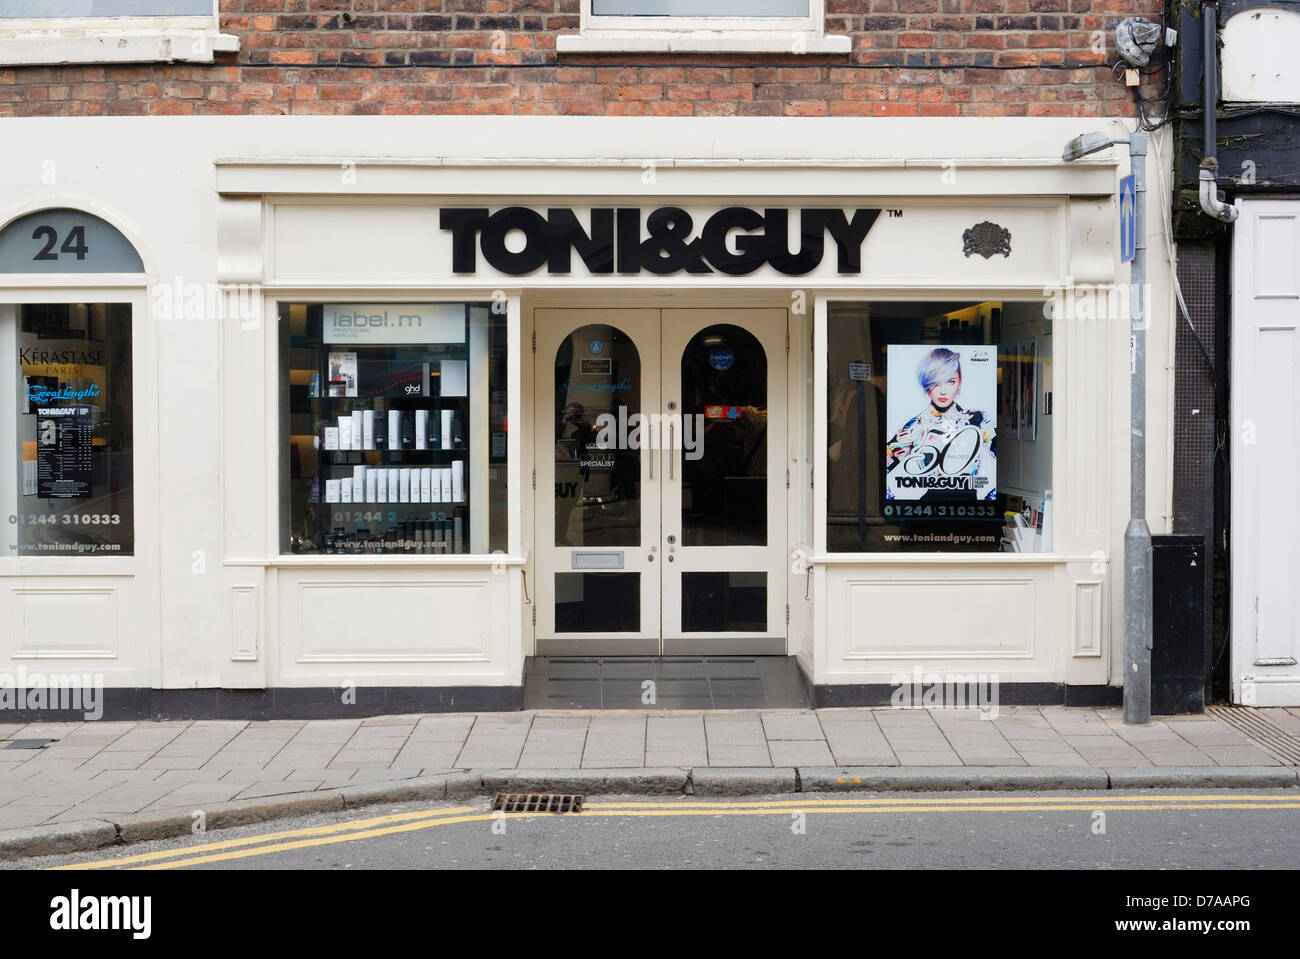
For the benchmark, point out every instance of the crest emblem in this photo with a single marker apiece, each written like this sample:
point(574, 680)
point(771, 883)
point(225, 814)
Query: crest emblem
point(986, 239)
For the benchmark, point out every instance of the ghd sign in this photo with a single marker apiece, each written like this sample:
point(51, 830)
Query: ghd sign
point(735, 240)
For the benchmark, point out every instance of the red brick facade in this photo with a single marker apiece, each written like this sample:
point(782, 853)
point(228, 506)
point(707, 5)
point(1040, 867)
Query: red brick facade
point(909, 58)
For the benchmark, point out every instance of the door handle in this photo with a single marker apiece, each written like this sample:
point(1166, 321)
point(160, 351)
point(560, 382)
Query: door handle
point(670, 451)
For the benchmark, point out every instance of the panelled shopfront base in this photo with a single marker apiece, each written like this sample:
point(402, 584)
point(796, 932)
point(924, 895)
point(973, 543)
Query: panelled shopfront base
point(121, 704)
point(375, 473)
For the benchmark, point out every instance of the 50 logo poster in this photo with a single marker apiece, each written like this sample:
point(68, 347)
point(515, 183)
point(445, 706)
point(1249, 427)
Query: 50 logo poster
point(940, 417)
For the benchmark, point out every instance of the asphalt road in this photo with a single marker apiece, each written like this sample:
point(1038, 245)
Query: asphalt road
point(1190, 829)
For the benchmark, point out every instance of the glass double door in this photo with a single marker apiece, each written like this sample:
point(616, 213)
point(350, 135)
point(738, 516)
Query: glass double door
point(661, 481)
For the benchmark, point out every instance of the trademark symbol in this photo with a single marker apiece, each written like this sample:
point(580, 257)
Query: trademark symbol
point(894, 213)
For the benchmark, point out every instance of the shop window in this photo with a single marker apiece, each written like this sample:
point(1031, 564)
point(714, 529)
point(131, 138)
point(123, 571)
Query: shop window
point(110, 31)
point(393, 426)
point(752, 26)
point(939, 427)
point(73, 443)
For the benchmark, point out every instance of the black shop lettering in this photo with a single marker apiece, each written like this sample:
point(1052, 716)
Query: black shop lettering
point(735, 240)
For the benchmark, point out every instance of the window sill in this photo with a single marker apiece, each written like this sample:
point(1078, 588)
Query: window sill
point(286, 560)
point(703, 41)
point(91, 46)
point(961, 559)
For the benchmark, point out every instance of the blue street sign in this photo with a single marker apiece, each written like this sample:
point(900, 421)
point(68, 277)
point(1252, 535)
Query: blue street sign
point(1127, 218)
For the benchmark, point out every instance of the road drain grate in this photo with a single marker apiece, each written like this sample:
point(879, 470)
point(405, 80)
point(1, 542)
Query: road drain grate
point(537, 802)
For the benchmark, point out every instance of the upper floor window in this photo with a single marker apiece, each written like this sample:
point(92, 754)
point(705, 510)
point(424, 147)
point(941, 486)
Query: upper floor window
point(699, 8)
point(35, 32)
point(56, 9)
point(745, 26)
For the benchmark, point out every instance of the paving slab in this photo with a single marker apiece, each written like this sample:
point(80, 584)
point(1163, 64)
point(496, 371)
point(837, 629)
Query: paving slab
point(541, 759)
point(391, 774)
point(799, 724)
point(794, 752)
point(852, 758)
point(196, 794)
point(443, 728)
point(258, 790)
point(486, 757)
point(927, 758)
point(1239, 755)
point(1053, 758)
point(739, 756)
point(438, 754)
point(680, 757)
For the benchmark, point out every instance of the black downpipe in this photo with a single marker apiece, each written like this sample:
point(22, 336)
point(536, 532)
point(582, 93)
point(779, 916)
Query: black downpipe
point(1207, 180)
point(1210, 82)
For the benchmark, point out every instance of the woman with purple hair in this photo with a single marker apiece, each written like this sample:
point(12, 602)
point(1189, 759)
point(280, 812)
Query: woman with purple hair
point(945, 449)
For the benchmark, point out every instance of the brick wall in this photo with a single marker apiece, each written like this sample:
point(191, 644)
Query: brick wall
point(909, 58)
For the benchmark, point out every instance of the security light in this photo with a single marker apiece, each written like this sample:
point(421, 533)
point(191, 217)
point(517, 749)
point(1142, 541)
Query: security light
point(1137, 38)
point(1085, 144)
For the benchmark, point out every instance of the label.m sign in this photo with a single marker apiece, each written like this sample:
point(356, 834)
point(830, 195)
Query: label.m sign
point(735, 240)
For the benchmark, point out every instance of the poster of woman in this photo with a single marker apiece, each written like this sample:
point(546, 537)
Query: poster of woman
point(940, 420)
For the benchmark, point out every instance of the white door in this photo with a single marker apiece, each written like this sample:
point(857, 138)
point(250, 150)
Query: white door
point(661, 479)
point(1266, 454)
point(724, 482)
point(597, 501)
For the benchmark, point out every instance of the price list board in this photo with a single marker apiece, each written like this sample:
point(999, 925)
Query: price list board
point(64, 452)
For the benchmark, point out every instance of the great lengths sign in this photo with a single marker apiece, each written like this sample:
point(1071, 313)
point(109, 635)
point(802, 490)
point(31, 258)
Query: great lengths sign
point(734, 240)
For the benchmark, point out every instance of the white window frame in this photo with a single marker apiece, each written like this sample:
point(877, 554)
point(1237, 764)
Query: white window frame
point(790, 35)
point(51, 41)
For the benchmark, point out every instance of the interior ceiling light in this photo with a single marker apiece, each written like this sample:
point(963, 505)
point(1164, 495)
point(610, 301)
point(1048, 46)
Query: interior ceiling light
point(1137, 38)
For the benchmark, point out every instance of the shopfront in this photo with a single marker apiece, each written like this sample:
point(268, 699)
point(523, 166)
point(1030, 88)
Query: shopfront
point(420, 419)
point(78, 459)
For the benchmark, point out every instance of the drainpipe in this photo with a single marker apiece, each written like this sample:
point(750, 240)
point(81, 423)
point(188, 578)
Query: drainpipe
point(1210, 201)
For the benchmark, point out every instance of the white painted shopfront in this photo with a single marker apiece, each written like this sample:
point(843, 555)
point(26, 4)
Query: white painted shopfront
point(740, 286)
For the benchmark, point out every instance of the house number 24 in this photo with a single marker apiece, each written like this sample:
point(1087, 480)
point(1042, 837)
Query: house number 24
point(74, 242)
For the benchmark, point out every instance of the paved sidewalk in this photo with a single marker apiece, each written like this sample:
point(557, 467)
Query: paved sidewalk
point(104, 770)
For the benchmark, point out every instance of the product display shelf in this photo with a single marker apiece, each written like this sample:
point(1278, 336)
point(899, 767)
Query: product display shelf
point(425, 522)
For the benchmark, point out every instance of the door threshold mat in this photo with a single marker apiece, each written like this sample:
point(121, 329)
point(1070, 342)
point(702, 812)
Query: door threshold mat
point(664, 682)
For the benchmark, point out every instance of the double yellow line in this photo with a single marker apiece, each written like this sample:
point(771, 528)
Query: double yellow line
point(375, 827)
